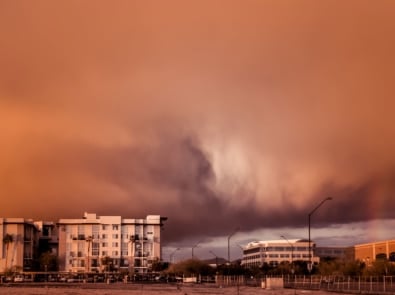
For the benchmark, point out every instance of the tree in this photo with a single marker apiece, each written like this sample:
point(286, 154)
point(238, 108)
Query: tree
point(107, 262)
point(380, 268)
point(353, 268)
point(191, 267)
point(158, 266)
point(330, 267)
point(7, 240)
point(48, 261)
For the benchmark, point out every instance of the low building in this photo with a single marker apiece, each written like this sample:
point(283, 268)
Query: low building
point(19, 244)
point(370, 252)
point(330, 252)
point(256, 254)
point(109, 243)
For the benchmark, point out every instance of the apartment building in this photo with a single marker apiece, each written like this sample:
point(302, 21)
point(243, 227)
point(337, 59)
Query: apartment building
point(109, 243)
point(273, 252)
point(20, 250)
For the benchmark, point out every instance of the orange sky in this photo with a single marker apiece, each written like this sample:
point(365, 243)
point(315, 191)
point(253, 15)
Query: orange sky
point(191, 108)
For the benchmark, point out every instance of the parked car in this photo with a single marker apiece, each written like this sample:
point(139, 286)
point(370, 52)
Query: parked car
point(8, 279)
point(19, 279)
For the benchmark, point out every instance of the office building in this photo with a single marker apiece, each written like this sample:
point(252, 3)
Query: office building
point(256, 254)
point(330, 252)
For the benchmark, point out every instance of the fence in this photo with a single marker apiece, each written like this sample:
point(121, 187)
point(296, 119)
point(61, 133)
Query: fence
point(370, 284)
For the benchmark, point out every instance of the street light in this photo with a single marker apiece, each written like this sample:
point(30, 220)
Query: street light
point(193, 247)
point(310, 266)
point(216, 258)
point(235, 231)
point(172, 254)
point(292, 253)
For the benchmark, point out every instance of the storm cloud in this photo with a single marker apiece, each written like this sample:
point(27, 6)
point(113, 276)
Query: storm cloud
point(216, 115)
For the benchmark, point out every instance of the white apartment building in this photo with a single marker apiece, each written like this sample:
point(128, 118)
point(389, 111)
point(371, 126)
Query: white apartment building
point(255, 254)
point(20, 251)
point(109, 243)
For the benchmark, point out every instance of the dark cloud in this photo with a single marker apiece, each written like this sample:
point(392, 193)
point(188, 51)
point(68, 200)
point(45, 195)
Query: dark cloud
point(217, 115)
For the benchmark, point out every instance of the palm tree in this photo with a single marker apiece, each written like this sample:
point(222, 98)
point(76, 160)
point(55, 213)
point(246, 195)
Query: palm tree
point(7, 240)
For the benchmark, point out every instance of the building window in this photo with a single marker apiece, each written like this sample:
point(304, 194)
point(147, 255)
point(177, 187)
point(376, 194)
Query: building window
point(104, 244)
point(103, 253)
point(104, 227)
point(95, 249)
point(302, 248)
point(115, 236)
point(114, 227)
point(114, 253)
point(115, 244)
point(104, 236)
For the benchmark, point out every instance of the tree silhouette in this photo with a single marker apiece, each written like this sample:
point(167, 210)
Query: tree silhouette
point(107, 262)
point(48, 261)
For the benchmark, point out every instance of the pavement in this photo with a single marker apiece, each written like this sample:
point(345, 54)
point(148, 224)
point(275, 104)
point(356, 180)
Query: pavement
point(89, 289)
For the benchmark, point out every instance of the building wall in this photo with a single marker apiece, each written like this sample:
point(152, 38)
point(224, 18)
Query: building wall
point(371, 251)
point(332, 252)
point(276, 251)
point(48, 237)
point(21, 252)
point(127, 244)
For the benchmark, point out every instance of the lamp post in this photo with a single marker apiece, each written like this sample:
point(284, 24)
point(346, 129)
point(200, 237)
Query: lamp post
point(172, 254)
point(292, 254)
point(216, 258)
point(229, 243)
point(193, 247)
point(310, 266)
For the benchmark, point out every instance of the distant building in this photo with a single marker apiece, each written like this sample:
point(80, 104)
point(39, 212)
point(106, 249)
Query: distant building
point(109, 243)
point(256, 254)
point(21, 251)
point(370, 252)
point(330, 252)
